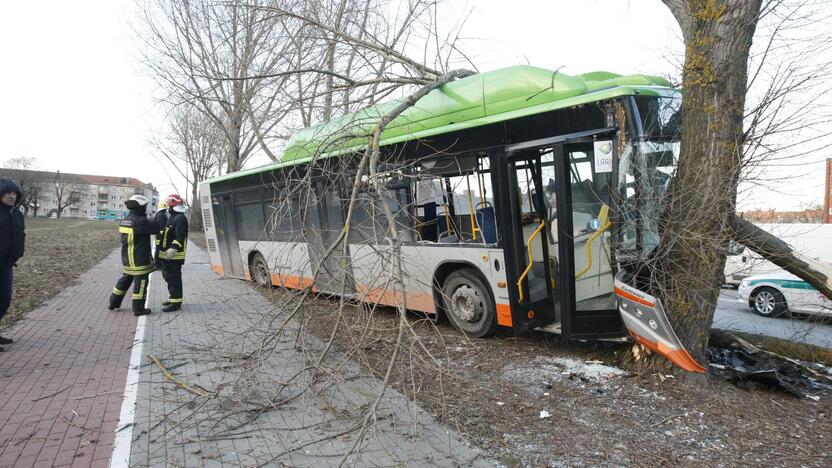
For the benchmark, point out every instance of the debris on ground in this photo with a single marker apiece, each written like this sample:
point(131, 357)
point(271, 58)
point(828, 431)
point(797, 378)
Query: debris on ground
point(542, 371)
point(748, 366)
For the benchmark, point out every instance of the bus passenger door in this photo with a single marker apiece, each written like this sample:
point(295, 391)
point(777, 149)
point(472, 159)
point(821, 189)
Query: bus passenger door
point(585, 239)
point(524, 223)
point(226, 227)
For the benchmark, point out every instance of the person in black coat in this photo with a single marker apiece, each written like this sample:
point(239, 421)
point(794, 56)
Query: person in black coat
point(136, 255)
point(12, 240)
point(173, 247)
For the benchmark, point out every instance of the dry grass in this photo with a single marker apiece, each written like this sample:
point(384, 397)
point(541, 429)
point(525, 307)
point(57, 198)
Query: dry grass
point(58, 251)
point(493, 390)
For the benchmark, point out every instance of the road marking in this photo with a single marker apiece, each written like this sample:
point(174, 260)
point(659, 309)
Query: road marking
point(124, 427)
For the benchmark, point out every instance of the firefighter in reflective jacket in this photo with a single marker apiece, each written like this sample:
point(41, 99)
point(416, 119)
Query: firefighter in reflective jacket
point(161, 218)
point(174, 243)
point(136, 255)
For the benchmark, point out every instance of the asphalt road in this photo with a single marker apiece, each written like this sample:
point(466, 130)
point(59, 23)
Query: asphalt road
point(732, 315)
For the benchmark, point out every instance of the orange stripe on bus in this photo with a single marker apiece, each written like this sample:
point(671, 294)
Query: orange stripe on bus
point(218, 269)
point(634, 298)
point(420, 301)
point(504, 315)
point(291, 281)
point(680, 357)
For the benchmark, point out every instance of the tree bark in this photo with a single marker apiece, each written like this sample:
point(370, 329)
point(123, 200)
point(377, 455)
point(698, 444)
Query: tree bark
point(687, 270)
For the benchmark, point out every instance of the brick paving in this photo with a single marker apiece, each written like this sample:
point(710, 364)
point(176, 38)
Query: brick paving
point(203, 345)
point(62, 381)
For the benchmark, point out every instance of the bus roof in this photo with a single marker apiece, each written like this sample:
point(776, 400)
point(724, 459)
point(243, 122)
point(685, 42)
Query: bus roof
point(480, 99)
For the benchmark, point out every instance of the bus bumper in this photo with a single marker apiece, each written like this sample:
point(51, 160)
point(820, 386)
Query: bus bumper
point(646, 321)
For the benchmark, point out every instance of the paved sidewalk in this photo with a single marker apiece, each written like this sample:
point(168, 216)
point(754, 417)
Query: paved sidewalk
point(62, 381)
point(217, 420)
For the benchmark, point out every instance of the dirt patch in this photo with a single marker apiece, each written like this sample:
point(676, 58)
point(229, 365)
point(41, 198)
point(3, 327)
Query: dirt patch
point(536, 401)
point(58, 251)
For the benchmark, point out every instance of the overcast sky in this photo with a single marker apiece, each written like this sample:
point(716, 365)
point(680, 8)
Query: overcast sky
point(76, 97)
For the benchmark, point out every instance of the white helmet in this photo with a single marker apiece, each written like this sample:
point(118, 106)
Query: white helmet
point(180, 209)
point(137, 201)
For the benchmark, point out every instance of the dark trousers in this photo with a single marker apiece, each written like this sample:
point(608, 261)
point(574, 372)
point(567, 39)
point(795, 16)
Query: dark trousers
point(140, 284)
point(172, 273)
point(6, 279)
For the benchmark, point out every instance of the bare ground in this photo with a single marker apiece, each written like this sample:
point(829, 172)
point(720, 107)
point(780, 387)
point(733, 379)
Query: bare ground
point(534, 401)
point(57, 252)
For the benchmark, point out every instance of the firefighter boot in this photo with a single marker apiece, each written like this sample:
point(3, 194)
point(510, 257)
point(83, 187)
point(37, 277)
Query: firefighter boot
point(139, 308)
point(171, 307)
point(115, 301)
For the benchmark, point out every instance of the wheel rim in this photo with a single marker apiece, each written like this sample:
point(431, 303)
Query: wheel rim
point(467, 304)
point(765, 302)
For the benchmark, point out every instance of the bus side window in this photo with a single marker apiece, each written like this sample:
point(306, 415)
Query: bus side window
point(284, 218)
point(362, 228)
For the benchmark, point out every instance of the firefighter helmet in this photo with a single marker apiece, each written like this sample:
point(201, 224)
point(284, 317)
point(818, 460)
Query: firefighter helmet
point(173, 200)
point(176, 203)
point(137, 202)
point(162, 205)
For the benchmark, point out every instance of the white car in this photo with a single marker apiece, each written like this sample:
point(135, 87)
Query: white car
point(775, 294)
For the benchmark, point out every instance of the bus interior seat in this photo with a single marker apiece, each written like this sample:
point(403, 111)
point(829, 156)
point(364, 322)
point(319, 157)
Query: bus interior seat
point(487, 221)
point(445, 238)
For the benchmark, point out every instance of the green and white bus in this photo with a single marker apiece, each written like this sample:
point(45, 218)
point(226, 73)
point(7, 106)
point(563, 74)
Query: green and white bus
point(524, 198)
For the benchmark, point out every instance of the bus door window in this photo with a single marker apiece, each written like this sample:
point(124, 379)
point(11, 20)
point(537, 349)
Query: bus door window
point(532, 226)
point(591, 224)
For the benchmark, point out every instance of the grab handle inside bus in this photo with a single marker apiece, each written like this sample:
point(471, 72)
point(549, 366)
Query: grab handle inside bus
point(604, 218)
point(531, 260)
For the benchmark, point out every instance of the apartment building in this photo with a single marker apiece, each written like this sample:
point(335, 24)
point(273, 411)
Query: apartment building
point(78, 195)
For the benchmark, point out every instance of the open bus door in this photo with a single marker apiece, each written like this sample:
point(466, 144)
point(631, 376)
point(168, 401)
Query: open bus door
point(558, 246)
point(530, 268)
point(585, 237)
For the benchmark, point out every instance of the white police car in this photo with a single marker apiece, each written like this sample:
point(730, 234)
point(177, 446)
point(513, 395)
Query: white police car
point(778, 293)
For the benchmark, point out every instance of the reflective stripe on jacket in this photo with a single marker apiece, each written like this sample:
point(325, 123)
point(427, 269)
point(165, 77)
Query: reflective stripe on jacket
point(175, 235)
point(136, 253)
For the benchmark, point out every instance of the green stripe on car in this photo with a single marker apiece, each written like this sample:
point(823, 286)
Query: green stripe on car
point(788, 284)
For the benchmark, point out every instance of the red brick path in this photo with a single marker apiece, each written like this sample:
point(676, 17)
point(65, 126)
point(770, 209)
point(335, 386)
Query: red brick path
point(77, 351)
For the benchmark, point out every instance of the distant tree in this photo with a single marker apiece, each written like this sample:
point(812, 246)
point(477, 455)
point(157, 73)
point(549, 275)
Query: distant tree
point(218, 56)
point(194, 146)
point(67, 193)
point(21, 169)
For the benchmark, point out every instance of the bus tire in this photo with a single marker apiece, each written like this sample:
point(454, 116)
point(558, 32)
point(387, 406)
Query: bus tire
point(259, 270)
point(468, 304)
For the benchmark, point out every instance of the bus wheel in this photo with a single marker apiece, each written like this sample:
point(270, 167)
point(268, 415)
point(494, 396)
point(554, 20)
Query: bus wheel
point(468, 304)
point(260, 271)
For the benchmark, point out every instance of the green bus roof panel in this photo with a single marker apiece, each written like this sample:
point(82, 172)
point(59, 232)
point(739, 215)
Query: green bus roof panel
point(484, 94)
point(480, 99)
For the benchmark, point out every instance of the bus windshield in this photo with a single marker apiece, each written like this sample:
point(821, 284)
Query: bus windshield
point(646, 168)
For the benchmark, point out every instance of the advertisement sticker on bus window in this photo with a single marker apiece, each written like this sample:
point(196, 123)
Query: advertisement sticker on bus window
point(603, 156)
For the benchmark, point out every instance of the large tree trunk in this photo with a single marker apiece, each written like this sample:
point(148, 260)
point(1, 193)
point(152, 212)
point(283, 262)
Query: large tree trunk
point(816, 273)
point(688, 269)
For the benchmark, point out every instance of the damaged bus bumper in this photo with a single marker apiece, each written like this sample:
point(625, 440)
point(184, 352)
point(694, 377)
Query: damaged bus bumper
point(646, 321)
